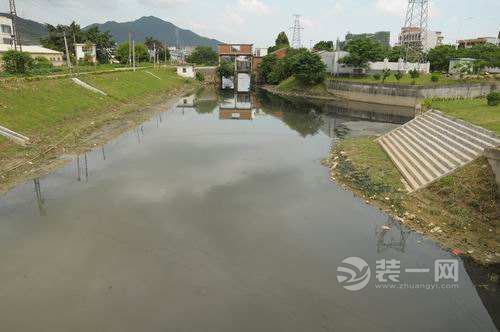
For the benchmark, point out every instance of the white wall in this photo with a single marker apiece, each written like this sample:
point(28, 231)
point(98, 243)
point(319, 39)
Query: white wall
point(335, 67)
point(186, 71)
point(80, 54)
point(399, 66)
point(5, 21)
point(243, 82)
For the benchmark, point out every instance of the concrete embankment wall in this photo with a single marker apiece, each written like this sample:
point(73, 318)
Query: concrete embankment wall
point(406, 95)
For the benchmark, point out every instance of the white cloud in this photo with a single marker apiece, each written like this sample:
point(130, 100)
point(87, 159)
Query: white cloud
point(231, 16)
point(163, 3)
point(255, 6)
point(392, 7)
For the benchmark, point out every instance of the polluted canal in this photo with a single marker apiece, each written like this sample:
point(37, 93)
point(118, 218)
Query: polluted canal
point(217, 215)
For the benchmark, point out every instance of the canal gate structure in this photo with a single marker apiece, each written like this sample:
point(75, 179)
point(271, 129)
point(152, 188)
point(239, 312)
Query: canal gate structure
point(241, 57)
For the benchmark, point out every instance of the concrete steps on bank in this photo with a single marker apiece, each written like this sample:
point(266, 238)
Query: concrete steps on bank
point(434, 145)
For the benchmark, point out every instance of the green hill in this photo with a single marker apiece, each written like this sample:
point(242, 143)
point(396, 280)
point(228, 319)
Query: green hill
point(161, 30)
point(30, 31)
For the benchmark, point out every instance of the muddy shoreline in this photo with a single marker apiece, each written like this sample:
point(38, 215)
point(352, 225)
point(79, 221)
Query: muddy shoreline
point(93, 134)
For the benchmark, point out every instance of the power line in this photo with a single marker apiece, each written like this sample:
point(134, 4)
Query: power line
point(297, 30)
point(16, 39)
point(414, 33)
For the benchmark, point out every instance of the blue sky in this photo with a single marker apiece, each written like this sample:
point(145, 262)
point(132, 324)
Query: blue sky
point(258, 21)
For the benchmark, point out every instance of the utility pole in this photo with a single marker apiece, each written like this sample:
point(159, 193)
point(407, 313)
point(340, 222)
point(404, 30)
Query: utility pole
point(68, 61)
point(16, 39)
point(133, 52)
point(129, 49)
point(74, 46)
point(165, 49)
point(154, 55)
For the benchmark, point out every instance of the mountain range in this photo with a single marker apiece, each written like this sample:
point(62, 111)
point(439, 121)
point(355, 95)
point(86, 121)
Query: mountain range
point(30, 31)
point(147, 26)
point(150, 26)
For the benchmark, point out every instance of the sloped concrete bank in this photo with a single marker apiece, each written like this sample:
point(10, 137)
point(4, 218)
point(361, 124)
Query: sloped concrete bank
point(406, 95)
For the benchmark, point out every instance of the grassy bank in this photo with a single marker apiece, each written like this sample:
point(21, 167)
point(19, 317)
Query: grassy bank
point(55, 114)
point(458, 211)
point(293, 85)
point(422, 80)
point(475, 111)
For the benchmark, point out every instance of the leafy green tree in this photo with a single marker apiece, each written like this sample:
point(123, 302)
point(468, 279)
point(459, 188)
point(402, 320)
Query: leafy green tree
point(396, 53)
point(414, 74)
point(141, 53)
point(152, 44)
point(103, 40)
point(55, 39)
point(398, 75)
point(280, 42)
point(488, 52)
point(278, 74)
point(385, 74)
point(282, 39)
point(15, 62)
point(307, 67)
point(440, 56)
point(363, 50)
point(203, 55)
point(266, 66)
point(225, 69)
point(323, 46)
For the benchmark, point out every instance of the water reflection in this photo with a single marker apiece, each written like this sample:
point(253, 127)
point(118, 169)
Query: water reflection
point(237, 106)
point(392, 235)
point(239, 210)
point(39, 197)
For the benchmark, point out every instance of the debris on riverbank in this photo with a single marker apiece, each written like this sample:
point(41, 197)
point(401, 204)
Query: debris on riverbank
point(459, 211)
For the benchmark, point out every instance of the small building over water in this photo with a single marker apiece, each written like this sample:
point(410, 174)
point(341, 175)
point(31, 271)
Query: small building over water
point(240, 56)
point(186, 71)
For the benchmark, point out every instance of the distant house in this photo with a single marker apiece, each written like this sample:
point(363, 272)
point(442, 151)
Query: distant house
point(55, 57)
point(86, 52)
point(466, 43)
point(186, 71)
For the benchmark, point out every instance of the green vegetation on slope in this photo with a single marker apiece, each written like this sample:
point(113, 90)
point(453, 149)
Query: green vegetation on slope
point(462, 206)
point(292, 84)
point(39, 107)
point(406, 80)
point(475, 111)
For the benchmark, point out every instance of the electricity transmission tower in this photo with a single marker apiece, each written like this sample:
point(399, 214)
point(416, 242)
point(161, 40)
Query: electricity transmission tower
point(297, 30)
point(415, 29)
point(16, 40)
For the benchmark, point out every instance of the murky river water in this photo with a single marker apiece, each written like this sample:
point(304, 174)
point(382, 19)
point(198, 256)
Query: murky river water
point(215, 219)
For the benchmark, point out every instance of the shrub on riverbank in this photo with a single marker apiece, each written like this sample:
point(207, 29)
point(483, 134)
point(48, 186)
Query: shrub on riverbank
point(493, 98)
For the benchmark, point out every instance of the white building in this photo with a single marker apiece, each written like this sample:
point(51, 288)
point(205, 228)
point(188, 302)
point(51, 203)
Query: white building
point(55, 57)
point(260, 52)
point(86, 51)
point(5, 30)
point(186, 71)
point(331, 60)
point(416, 37)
